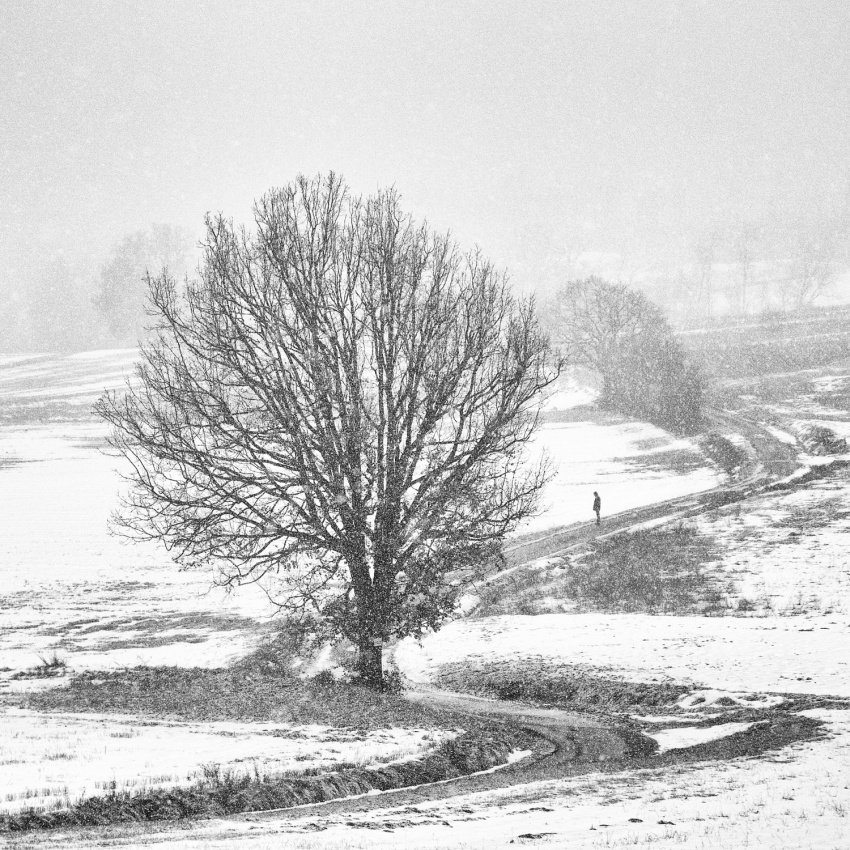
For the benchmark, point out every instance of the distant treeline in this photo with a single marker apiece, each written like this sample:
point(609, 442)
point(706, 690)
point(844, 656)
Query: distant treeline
point(71, 308)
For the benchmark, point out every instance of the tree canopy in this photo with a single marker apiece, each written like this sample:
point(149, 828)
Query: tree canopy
point(623, 336)
point(341, 401)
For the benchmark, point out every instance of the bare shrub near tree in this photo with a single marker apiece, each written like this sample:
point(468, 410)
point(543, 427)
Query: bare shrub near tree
point(342, 402)
point(623, 336)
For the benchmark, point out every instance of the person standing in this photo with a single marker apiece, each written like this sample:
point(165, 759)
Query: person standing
point(597, 506)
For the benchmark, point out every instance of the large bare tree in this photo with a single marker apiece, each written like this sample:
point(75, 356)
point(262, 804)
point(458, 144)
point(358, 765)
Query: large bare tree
point(341, 401)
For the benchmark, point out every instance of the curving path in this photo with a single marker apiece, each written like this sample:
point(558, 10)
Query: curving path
point(770, 460)
point(570, 743)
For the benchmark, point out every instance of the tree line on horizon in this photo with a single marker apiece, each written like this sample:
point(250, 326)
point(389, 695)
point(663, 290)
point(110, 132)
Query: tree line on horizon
point(76, 307)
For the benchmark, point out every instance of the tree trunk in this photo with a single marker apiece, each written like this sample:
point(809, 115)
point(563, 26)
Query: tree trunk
point(370, 664)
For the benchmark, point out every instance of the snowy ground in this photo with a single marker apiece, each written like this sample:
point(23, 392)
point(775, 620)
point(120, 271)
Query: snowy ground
point(68, 585)
point(794, 798)
point(71, 587)
point(805, 654)
point(50, 760)
point(630, 464)
point(786, 553)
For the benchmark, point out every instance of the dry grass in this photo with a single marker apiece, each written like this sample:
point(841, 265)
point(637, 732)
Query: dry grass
point(228, 792)
point(565, 686)
point(649, 571)
point(238, 694)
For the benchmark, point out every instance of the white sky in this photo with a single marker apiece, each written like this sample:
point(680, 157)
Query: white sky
point(529, 128)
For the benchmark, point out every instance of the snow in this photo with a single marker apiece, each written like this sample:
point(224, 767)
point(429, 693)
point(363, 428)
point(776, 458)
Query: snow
point(25, 379)
point(799, 654)
point(782, 436)
point(786, 552)
point(573, 388)
point(630, 464)
point(795, 798)
point(690, 736)
point(49, 759)
point(699, 700)
point(70, 585)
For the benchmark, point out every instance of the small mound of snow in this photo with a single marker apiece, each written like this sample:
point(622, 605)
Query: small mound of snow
point(698, 700)
point(668, 718)
point(691, 736)
point(782, 436)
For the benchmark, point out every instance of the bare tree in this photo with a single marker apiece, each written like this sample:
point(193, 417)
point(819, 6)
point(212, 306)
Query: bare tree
point(744, 243)
point(342, 401)
point(817, 256)
point(595, 320)
point(623, 336)
point(705, 256)
point(813, 268)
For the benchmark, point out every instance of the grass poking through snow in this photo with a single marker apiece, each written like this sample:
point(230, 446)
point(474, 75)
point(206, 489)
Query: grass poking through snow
point(647, 571)
point(239, 694)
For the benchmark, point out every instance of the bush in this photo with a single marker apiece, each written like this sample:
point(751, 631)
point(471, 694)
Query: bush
point(729, 457)
point(819, 440)
point(624, 337)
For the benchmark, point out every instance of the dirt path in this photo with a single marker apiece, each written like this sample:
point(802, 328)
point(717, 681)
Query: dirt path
point(769, 460)
point(571, 743)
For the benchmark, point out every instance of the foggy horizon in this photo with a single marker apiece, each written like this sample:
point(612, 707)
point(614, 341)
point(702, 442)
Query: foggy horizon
point(624, 133)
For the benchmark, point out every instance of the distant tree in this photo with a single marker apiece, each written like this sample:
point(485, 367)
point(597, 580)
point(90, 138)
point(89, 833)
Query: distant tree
point(745, 242)
point(623, 336)
point(122, 293)
point(656, 383)
point(341, 401)
point(818, 254)
point(595, 320)
point(814, 267)
point(705, 251)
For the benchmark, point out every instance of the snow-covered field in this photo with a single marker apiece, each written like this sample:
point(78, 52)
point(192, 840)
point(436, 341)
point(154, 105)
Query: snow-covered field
point(51, 759)
point(70, 587)
point(799, 654)
point(789, 800)
point(786, 553)
point(630, 464)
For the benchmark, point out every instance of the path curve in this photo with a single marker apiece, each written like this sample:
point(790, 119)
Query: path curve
point(571, 743)
point(769, 460)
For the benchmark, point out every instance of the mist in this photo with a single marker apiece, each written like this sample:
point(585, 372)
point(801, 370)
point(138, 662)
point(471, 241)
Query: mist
point(564, 139)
